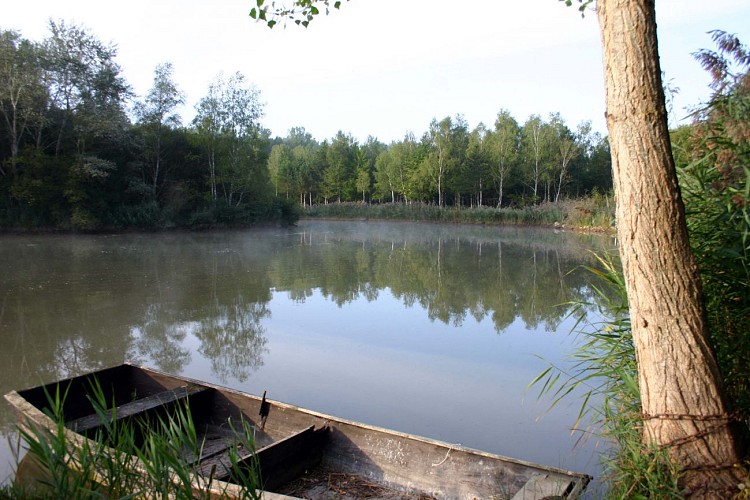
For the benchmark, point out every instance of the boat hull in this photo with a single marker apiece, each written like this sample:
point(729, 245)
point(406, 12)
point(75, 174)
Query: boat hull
point(293, 441)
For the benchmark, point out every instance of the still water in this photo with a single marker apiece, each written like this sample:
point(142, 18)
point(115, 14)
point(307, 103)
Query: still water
point(428, 329)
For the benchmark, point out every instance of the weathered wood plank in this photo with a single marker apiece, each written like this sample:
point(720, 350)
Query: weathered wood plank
point(279, 462)
point(544, 486)
point(289, 458)
point(143, 405)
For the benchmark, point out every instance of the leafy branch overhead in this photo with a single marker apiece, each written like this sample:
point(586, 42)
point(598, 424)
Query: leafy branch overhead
point(582, 7)
point(300, 11)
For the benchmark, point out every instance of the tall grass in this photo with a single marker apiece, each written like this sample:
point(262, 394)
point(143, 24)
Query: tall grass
point(596, 211)
point(127, 458)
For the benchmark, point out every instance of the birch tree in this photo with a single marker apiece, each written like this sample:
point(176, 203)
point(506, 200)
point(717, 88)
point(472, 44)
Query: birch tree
point(503, 144)
point(532, 141)
point(227, 119)
point(564, 147)
point(22, 94)
point(157, 112)
point(446, 140)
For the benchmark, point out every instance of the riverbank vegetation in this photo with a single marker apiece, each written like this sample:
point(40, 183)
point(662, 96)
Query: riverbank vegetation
point(80, 151)
point(595, 212)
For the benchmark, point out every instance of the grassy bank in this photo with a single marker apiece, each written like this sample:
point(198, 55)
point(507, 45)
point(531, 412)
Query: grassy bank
point(596, 212)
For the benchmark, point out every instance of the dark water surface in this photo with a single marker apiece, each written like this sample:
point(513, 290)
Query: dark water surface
point(429, 329)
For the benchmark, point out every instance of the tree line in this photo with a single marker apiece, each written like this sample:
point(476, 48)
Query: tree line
point(507, 164)
point(79, 150)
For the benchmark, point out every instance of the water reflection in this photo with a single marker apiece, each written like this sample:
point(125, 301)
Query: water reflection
point(451, 276)
point(70, 304)
point(231, 336)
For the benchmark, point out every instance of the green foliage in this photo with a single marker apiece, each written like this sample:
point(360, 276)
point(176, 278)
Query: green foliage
point(582, 7)
point(715, 182)
point(596, 210)
point(449, 165)
point(286, 212)
point(77, 162)
point(301, 12)
point(145, 215)
point(222, 214)
point(597, 213)
point(636, 470)
point(104, 467)
point(71, 159)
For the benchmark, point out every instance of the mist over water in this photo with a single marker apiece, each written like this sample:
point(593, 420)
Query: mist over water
point(434, 330)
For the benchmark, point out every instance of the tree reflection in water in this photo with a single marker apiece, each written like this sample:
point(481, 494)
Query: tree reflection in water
point(233, 338)
point(161, 341)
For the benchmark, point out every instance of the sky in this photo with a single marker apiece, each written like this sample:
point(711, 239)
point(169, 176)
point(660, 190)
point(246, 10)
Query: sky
point(384, 68)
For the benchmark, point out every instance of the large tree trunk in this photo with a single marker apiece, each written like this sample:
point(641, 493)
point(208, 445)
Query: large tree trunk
point(681, 391)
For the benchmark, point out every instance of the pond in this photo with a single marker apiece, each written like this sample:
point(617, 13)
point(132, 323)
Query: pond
point(434, 330)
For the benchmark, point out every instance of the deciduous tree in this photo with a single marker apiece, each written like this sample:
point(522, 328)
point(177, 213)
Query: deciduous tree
point(477, 165)
point(157, 112)
point(681, 392)
point(81, 75)
point(534, 151)
point(22, 93)
point(228, 121)
point(504, 143)
point(446, 141)
point(564, 148)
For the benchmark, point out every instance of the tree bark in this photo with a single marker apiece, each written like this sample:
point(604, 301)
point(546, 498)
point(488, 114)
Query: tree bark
point(681, 392)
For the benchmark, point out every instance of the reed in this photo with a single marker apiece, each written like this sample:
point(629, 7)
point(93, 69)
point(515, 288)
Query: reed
point(126, 458)
point(603, 368)
point(594, 212)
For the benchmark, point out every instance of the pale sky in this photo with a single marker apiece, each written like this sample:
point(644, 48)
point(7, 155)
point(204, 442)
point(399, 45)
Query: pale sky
point(387, 67)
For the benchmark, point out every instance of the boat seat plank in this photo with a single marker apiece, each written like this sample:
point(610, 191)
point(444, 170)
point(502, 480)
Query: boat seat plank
point(291, 457)
point(279, 462)
point(218, 465)
point(209, 448)
point(132, 408)
point(544, 486)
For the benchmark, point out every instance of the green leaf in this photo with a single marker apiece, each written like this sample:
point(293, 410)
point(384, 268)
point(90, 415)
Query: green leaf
point(260, 3)
point(336, 5)
point(253, 13)
point(540, 376)
point(271, 23)
point(314, 11)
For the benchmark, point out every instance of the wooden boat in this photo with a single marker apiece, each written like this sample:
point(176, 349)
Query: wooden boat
point(293, 445)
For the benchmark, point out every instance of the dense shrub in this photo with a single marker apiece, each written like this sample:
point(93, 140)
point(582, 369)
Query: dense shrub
point(715, 183)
